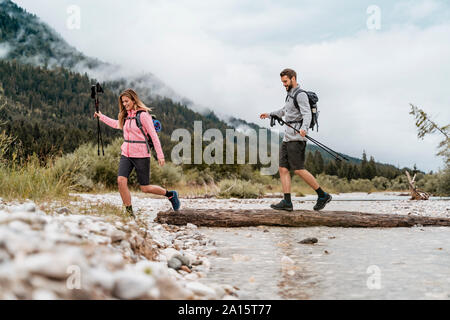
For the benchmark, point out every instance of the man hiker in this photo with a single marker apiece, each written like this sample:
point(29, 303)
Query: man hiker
point(292, 151)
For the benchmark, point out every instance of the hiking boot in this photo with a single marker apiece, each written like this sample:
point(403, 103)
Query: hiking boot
point(283, 205)
point(175, 201)
point(322, 202)
point(129, 212)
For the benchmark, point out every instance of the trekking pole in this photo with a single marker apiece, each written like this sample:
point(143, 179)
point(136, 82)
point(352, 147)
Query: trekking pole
point(95, 90)
point(326, 148)
point(333, 153)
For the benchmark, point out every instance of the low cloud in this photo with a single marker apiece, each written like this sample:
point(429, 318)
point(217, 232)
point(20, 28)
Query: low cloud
point(4, 50)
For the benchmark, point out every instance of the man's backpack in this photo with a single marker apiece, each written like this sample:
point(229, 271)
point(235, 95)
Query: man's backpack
point(147, 137)
point(313, 99)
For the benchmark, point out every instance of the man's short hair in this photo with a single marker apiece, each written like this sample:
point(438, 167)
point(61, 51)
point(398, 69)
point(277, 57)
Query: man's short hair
point(290, 73)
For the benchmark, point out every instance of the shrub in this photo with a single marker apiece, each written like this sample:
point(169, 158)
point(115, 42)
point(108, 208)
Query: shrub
point(443, 188)
point(262, 179)
point(361, 185)
point(199, 178)
point(381, 183)
point(240, 189)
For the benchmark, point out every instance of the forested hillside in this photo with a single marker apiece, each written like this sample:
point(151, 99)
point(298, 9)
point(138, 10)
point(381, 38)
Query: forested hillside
point(51, 111)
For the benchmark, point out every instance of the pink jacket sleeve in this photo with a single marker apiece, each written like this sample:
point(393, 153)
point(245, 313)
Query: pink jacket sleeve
point(110, 122)
point(147, 123)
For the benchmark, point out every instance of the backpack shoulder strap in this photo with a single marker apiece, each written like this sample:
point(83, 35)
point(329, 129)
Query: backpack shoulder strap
point(138, 118)
point(294, 97)
point(139, 124)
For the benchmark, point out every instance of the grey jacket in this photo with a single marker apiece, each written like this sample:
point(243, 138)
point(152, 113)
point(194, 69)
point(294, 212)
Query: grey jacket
point(291, 113)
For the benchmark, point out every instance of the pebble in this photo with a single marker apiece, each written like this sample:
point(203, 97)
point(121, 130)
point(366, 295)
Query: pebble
point(184, 260)
point(309, 241)
point(169, 252)
point(101, 277)
point(192, 277)
point(42, 294)
point(174, 263)
point(63, 210)
point(117, 235)
point(200, 289)
point(130, 286)
point(53, 265)
point(240, 258)
point(186, 269)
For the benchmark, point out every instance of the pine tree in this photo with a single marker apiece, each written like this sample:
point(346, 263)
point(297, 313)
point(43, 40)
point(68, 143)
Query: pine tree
point(319, 163)
point(330, 168)
point(364, 167)
point(372, 169)
point(310, 164)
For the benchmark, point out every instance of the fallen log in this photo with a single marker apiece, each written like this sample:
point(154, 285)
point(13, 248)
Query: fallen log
point(299, 218)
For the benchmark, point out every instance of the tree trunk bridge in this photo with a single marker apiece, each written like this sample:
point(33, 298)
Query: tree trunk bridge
point(298, 218)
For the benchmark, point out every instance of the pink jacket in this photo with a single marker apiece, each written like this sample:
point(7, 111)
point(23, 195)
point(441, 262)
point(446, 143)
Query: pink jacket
point(131, 132)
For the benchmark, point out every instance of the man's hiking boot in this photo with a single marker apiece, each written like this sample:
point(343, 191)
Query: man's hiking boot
point(283, 205)
point(322, 202)
point(174, 201)
point(130, 213)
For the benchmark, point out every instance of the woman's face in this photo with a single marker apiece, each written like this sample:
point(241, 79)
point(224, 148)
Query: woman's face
point(127, 103)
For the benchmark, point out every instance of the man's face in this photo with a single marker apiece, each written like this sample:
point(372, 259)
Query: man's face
point(287, 83)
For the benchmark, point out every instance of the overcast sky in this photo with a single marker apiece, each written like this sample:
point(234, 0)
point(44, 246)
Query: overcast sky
point(227, 55)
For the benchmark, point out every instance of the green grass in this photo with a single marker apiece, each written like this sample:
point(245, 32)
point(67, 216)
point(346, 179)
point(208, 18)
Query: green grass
point(32, 182)
point(84, 171)
point(77, 205)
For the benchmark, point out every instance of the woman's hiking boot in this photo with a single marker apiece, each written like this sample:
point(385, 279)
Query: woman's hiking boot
point(322, 202)
point(174, 200)
point(283, 205)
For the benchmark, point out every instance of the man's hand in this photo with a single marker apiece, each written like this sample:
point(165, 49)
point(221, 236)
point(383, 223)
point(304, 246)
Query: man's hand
point(302, 133)
point(161, 162)
point(264, 116)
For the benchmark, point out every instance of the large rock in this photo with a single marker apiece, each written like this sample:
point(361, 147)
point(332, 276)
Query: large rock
point(170, 289)
point(130, 286)
point(201, 289)
point(54, 265)
point(174, 263)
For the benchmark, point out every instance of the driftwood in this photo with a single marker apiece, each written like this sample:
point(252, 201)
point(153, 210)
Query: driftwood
point(416, 194)
point(298, 218)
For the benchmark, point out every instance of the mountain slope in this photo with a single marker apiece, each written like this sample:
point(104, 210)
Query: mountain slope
point(25, 38)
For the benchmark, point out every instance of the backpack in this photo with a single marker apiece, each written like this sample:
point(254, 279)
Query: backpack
point(147, 137)
point(313, 99)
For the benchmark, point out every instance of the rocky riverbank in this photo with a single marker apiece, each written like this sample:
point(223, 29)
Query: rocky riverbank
point(64, 255)
point(71, 252)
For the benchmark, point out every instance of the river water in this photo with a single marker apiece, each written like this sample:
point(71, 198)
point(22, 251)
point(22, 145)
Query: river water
point(401, 263)
point(354, 263)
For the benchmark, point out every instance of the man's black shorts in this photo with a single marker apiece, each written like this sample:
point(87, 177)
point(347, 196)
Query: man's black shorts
point(292, 155)
point(142, 166)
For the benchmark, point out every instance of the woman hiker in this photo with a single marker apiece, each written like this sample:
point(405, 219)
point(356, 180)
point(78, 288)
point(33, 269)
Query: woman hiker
point(135, 152)
point(292, 151)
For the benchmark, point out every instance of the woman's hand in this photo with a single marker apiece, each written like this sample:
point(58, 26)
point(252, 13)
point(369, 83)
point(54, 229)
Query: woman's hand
point(97, 114)
point(265, 116)
point(161, 162)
